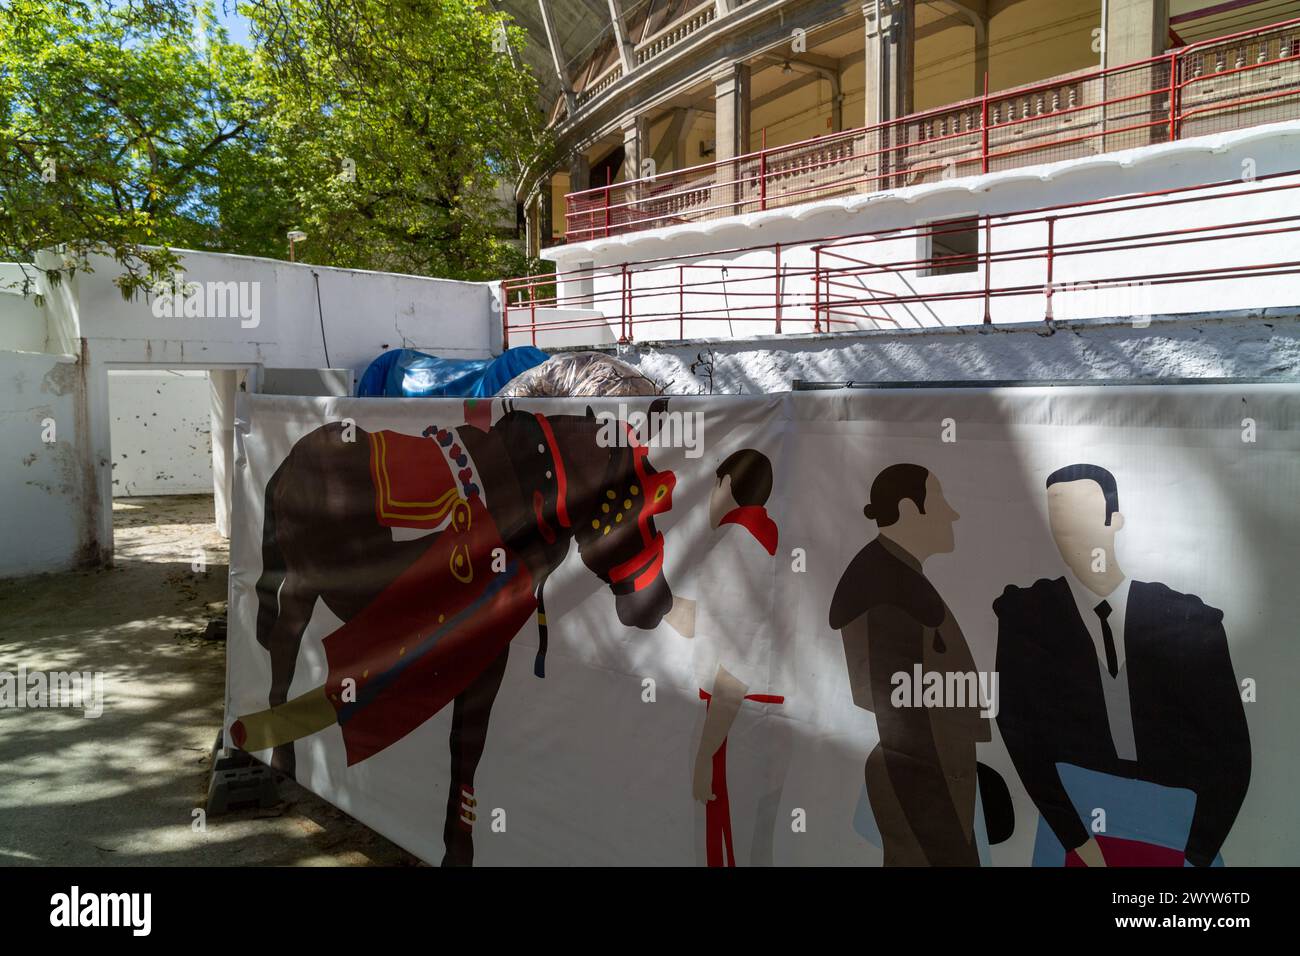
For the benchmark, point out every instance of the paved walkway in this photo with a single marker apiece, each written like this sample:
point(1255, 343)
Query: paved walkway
point(122, 788)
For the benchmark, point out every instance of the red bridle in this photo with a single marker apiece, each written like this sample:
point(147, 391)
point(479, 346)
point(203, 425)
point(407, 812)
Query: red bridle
point(657, 487)
point(646, 564)
point(561, 479)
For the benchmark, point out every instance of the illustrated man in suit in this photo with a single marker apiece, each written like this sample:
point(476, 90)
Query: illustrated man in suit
point(921, 776)
point(1120, 677)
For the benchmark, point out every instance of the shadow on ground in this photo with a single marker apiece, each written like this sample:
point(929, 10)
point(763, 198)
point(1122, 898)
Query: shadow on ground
point(122, 788)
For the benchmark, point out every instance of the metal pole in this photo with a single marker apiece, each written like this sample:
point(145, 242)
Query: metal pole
point(762, 173)
point(778, 288)
point(817, 290)
point(532, 309)
point(1173, 95)
point(988, 267)
point(608, 179)
point(681, 302)
point(984, 126)
point(505, 317)
point(1051, 240)
point(622, 311)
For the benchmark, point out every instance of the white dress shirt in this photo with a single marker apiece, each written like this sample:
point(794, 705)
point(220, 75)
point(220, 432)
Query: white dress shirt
point(1119, 708)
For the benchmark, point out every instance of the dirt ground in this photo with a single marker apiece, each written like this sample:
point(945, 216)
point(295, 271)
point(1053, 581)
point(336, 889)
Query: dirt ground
point(122, 788)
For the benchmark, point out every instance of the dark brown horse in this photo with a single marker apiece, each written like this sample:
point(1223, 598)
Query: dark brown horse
point(546, 481)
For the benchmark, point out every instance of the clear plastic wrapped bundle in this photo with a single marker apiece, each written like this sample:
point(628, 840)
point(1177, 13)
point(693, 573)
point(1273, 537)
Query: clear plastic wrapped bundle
point(583, 374)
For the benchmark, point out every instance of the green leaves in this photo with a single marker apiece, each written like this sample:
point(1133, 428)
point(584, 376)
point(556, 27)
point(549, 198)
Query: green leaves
point(395, 121)
point(112, 119)
point(381, 128)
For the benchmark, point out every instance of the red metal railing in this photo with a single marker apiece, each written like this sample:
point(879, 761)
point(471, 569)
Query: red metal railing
point(858, 280)
point(1226, 83)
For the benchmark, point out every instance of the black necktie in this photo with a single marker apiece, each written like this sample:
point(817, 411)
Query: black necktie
point(1112, 659)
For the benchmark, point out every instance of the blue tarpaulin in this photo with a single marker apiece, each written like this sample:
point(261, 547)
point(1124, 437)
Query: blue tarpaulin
point(406, 373)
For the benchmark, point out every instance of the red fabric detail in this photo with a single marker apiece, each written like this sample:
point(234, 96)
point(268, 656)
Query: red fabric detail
point(561, 479)
point(755, 520)
point(1118, 852)
point(718, 848)
point(653, 555)
point(408, 665)
point(414, 487)
point(478, 413)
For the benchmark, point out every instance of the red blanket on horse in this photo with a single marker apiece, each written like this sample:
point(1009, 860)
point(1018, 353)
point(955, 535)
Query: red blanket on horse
point(414, 486)
point(441, 622)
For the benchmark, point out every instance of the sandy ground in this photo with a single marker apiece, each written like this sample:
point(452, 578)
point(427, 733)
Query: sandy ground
point(122, 788)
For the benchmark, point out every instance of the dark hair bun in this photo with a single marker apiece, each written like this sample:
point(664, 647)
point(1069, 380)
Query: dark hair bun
point(870, 512)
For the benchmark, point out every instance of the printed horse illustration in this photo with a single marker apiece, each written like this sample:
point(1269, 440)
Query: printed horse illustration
point(429, 620)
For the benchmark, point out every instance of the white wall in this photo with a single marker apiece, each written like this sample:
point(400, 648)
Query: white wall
point(161, 433)
point(1224, 157)
point(22, 321)
point(46, 488)
point(1251, 345)
point(362, 314)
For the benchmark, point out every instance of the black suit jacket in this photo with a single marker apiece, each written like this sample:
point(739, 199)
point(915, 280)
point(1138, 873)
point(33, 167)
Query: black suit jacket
point(1189, 725)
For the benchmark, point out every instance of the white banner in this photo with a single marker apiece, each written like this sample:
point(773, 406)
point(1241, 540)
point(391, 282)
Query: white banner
point(1048, 626)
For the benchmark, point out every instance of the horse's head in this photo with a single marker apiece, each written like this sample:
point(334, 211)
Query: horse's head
point(610, 496)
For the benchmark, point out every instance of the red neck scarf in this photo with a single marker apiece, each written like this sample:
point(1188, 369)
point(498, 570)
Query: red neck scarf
point(754, 519)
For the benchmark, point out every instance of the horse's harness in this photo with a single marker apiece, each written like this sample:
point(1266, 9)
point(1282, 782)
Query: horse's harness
point(627, 577)
point(642, 568)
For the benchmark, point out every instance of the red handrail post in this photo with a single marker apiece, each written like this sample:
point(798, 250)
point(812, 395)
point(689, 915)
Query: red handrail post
point(1173, 95)
point(817, 289)
point(681, 302)
point(609, 174)
point(988, 267)
point(1051, 254)
point(778, 288)
point(505, 316)
point(762, 173)
point(532, 309)
point(623, 308)
point(984, 126)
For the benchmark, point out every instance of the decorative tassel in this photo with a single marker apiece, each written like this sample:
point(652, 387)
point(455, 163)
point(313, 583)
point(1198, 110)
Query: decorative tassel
point(539, 665)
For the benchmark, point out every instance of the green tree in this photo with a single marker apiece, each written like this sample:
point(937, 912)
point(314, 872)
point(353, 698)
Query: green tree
point(382, 128)
point(395, 122)
point(118, 124)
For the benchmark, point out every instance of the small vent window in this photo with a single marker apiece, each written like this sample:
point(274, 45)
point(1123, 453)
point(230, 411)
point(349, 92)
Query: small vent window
point(952, 247)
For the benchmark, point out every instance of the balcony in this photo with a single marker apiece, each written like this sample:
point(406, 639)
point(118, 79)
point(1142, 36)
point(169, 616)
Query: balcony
point(1226, 83)
point(1172, 251)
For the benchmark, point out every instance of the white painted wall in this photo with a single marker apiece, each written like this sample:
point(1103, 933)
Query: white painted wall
point(45, 487)
point(1264, 150)
point(1251, 345)
point(161, 432)
point(22, 321)
point(362, 314)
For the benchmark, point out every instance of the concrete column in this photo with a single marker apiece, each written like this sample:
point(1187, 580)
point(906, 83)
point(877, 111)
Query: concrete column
point(730, 137)
point(224, 385)
point(1136, 30)
point(635, 148)
point(533, 227)
point(731, 104)
point(890, 53)
point(579, 173)
point(547, 232)
point(890, 50)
